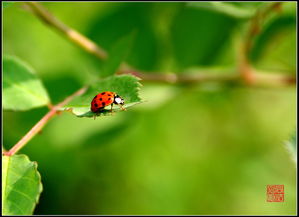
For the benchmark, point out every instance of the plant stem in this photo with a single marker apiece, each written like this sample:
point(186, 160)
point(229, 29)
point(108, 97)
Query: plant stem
point(79, 39)
point(246, 72)
point(39, 125)
point(256, 22)
point(261, 79)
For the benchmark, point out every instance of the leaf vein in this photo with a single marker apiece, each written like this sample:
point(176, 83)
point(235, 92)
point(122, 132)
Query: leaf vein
point(26, 90)
point(21, 193)
point(22, 177)
point(17, 206)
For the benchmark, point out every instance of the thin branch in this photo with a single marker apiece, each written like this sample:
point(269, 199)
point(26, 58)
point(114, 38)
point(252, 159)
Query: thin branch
point(39, 125)
point(257, 22)
point(246, 71)
point(202, 76)
point(43, 14)
point(244, 67)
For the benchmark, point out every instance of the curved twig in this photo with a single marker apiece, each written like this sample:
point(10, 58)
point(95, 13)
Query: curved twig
point(39, 125)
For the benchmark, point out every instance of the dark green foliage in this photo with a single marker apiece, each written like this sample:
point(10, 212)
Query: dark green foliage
point(189, 149)
point(197, 43)
point(117, 55)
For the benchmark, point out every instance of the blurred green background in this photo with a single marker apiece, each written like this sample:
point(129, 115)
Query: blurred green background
point(200, 149)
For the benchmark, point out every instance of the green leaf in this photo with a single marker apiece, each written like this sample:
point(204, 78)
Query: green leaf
point(22, 90)
point(292, 146)
point(6, 4)
point(275, 47)
point(21, 185)
point(146, 51)
point(242, 11)
point(117, 54)
point(200, 38)
point(126, 86)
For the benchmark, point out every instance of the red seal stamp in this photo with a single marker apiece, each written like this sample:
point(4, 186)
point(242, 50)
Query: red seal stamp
point(275, 193)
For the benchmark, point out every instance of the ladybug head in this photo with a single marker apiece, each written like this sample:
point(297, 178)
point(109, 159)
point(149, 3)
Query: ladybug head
point(118, 100)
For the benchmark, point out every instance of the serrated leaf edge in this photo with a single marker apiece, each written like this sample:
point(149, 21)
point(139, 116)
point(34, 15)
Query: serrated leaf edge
point(137, 89)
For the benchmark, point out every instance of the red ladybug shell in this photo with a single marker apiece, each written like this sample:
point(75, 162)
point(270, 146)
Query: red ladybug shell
point(101, 100)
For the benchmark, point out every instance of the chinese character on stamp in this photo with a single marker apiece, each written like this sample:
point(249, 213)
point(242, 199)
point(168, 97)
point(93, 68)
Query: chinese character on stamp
point(275, 193)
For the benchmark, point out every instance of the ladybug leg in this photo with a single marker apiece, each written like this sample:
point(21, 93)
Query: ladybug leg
point(112, 112)
point(95, 115)
point(122, 108)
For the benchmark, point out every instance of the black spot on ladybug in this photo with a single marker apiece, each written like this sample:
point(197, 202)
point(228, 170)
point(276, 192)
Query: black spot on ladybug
point(103, 104)
point(103, 93)
point(109, 94)
point(96, 105)
point(109, 98)
point(101, 99)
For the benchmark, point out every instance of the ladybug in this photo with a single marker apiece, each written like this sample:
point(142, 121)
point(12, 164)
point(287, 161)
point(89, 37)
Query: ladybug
point(104, 99)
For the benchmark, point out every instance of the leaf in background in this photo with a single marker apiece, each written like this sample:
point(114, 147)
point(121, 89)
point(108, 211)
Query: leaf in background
point(121, 20)
point(127, 86)
point(22, 89)
point(200, 37)
point(21, 185)
point(275, 47)
point(6, 4)
point(117, 54)
point(292, 146)
point(227, 8)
